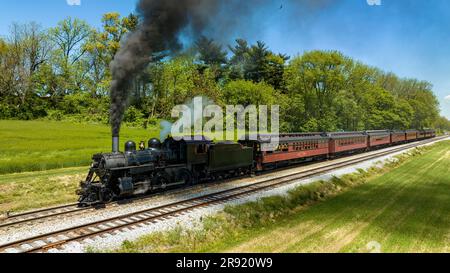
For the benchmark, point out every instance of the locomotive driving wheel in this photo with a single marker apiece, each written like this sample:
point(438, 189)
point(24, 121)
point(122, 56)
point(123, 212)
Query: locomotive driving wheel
point(160, 180)
point(185, 177)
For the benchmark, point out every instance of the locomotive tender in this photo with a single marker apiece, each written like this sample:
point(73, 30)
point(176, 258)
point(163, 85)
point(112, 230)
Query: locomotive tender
point(183, 162)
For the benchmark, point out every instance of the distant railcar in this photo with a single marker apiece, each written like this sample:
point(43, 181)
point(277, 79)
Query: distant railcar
point(346, 142)
point(398, 137)
point(426, 133)
point(429, 133)
point(378, 138)
point(411, 135)
point(421, 134)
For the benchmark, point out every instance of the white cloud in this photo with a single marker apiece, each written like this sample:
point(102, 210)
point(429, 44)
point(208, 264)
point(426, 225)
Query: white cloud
point(447, 97)
point(74, 2)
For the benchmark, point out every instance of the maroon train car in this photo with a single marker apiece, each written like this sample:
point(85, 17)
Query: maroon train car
point(398, 137)
point(378, 138)
point(411, 135)
point(346, 142)
point(421, 134)
point(426, 133)
point(292, 148)
point(429, 133)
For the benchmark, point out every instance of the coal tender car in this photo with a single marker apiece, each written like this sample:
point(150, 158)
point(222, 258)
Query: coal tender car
point(174, 163)
point(118, 175)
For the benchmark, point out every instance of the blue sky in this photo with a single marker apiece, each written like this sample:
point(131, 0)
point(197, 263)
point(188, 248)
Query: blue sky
point(408, 37)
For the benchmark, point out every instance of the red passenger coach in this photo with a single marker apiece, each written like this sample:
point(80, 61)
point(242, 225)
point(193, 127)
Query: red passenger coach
point(429, 133)
point(411, 135)
point(398, 137)
point(426, 133)
point(421, 134)
point(347, 142)
point(379, 138)
point(292, 148)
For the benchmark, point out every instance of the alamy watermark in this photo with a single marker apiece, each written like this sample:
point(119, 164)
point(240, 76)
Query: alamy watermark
point(373, 247)
point(73, 2)
point(374, 2)
point(200, 118)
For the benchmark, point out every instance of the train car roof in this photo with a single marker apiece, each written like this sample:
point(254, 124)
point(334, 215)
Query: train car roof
point(285, 137)
point(378, 132)
point(336, 135)
point(302, 138)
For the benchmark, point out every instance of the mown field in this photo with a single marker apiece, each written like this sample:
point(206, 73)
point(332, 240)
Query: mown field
point(404, 207)
point(32, 190)
point(44, 145)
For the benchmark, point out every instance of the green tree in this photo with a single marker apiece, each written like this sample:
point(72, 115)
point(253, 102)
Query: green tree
point(25, 51)
point(382, 111)
point(317, 77)
point(238, 60)
point(348, 112)
point(426, 109)
point(69, 36)
point(175, 82)
point(257, 63)
point(209, 52)
point(274, 70)
point(115, 28)
point(442, 124)
point(244, 92)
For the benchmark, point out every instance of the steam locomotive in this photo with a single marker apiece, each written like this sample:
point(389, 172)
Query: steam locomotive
point(175, 163)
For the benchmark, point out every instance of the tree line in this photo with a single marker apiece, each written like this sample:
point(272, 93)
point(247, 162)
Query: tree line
point(62, 73)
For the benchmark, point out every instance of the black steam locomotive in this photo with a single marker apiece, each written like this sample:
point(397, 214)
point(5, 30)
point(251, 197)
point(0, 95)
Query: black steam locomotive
point(161, 165)
point(173, 163)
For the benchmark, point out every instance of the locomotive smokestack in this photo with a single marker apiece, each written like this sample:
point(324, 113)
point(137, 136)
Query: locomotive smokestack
point(115, 144)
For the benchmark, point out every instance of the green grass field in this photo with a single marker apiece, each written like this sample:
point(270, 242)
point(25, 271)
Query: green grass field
point(32, 190)
point(44, 145)
point(404, 207)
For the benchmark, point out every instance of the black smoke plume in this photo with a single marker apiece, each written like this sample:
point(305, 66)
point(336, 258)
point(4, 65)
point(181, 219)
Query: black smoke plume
point(162, 22)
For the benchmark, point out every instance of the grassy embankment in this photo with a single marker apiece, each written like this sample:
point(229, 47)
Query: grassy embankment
point(43, 145)
point(31, 190)
point(35, 156)
point(403, 207)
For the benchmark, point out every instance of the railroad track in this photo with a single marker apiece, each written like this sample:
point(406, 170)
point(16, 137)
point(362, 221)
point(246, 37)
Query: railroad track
point(12, 220)
point(36, 215)
point(52, 240)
